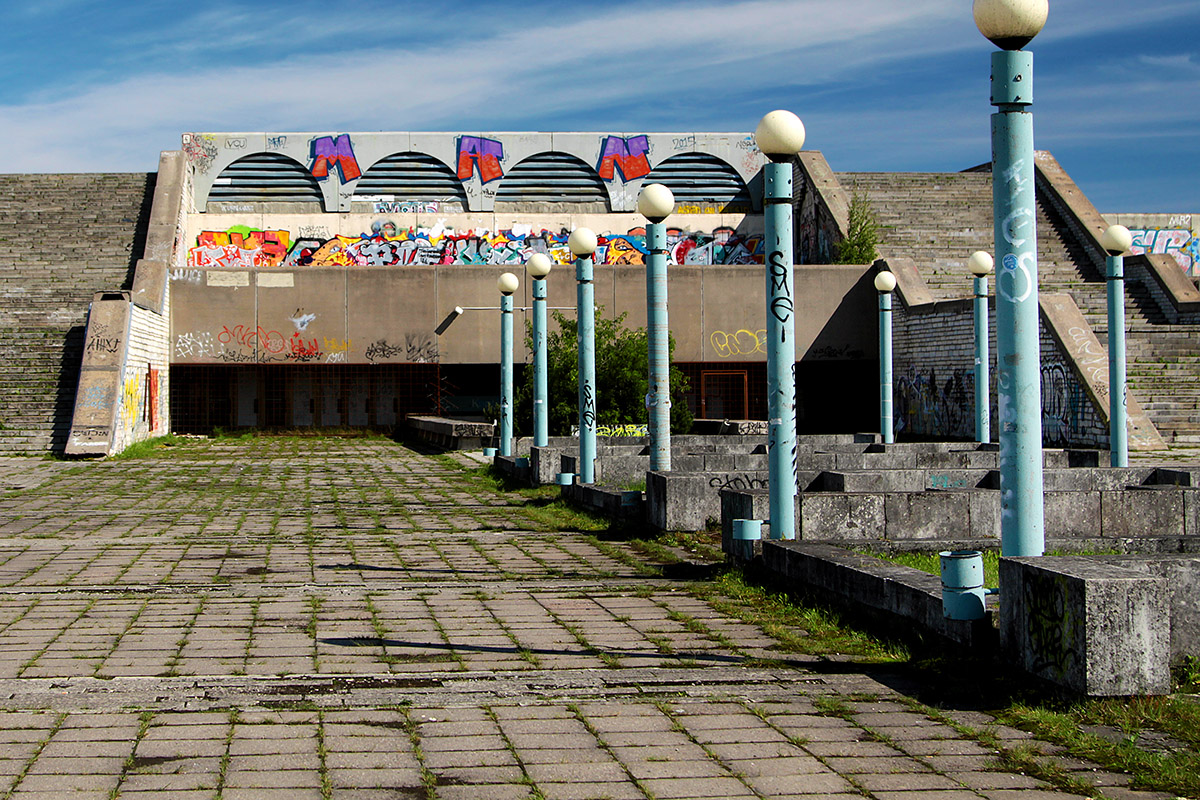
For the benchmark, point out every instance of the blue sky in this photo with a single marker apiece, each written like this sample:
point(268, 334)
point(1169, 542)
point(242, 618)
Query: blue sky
point(887, 85)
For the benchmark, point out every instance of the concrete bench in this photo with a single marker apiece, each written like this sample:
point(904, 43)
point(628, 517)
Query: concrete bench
point(1095, 628)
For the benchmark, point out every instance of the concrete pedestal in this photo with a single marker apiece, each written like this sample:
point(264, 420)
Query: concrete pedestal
point(1094, 628)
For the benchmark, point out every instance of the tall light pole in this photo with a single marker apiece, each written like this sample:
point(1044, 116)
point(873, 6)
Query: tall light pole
point(780, 136)
point(885, 284)
point(1010, 25)
point(507, 284)
point(1116, 241)
point(538, 267)
point(656, 203)
point(981, 264)
point(582, 242)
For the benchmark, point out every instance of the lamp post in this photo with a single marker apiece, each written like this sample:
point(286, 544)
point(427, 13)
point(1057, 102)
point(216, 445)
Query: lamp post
point(1116, 241)
point(583, 243)
point(1010, 25)
point(885, 283)
point(538, 267)
point(507, 284)
point(981, 264)
point(656, 203)
point(780, 136)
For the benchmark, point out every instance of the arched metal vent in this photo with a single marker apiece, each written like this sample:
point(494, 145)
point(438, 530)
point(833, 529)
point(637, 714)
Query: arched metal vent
point(552, 178)
point(265, 178)
point(700, 178)
point(411, 176)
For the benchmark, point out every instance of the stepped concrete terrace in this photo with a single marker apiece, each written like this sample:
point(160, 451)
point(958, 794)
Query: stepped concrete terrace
point(939, 219)
point(313, 618)
point(64, 237)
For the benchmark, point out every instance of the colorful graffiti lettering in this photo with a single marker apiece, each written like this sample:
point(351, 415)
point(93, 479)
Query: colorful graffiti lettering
point(484, 154)
point(626, 155)
point(1179, 243)
point(387, 245)
point(328, 152)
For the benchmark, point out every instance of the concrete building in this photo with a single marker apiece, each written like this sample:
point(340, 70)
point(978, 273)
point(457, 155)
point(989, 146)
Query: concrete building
point(294, 280)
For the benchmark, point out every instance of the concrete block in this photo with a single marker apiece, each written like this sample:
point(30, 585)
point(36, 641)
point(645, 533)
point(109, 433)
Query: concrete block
point(1142, 512)
point(1094, 478)
point(1071, 515)
point(962, 479)
point(927, 515)
point(1091, 627)
point(891, 480)
point(150, 285)
point(893, 597)
point(544, 464)
point(984, 507)
point(1182, 574)
point(741, 504)
point(826, 516)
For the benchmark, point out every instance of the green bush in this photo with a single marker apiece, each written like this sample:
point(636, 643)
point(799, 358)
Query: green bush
point(622, 366)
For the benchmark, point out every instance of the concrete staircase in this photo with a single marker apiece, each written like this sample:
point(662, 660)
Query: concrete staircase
point(939, 219)
point(62, 238)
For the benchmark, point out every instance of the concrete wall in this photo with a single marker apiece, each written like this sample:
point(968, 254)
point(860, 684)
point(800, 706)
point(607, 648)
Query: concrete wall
point(480, 161)
point(934, 370)
point(362, 315)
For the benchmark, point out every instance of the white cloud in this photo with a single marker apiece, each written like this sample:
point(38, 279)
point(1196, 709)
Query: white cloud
point(517, 73)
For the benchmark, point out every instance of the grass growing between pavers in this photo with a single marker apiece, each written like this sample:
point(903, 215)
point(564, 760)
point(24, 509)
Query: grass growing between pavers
point(1153, 740)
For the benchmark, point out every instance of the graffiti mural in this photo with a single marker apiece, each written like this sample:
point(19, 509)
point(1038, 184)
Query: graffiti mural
point(329, 152)
point(627, 156)
point(388, 245)
point(927, 406)
point(478, 153)
point(1062, 401)
point(1179, 243)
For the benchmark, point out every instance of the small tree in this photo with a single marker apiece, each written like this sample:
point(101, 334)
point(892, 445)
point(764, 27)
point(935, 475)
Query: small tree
point(622, 379)
point(862, 238)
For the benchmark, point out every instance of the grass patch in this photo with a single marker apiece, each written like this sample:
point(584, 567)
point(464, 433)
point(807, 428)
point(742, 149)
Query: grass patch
point(1154, 739)
point(797, 626)
point(148, 447)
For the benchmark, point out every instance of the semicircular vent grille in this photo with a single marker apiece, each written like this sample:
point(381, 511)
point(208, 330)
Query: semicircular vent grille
point(700, 178)
point(265, 177)
point(552, 178)
point(411, 176)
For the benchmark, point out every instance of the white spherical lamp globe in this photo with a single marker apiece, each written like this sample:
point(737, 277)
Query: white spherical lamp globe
point(1116, 240)
point(582, 241)
point(1010, 24)
point(656, 202)
point(507, 283)
point(539, 265)
point(885, 282)
point(780, 134)
point(980, 263)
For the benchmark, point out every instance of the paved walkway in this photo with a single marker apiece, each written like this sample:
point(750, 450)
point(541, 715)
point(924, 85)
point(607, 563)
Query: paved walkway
point(347, 618)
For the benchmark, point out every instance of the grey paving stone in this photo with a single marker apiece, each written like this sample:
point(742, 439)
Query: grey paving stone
point(290, 524)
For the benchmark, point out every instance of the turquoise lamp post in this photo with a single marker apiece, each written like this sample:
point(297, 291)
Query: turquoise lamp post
point(780, 136)
point(656, 203)
point(1010, 25)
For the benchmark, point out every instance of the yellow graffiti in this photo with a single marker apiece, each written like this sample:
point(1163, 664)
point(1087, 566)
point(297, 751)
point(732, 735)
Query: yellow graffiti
point(337, 345)
point(739, 343)
point(622, 430)
point(131, 401)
